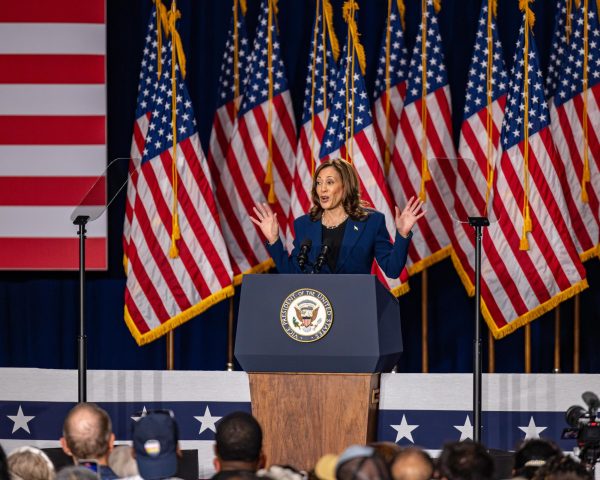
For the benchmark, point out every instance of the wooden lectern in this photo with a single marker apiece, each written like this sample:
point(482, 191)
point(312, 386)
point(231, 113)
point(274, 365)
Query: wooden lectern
point(316, 390)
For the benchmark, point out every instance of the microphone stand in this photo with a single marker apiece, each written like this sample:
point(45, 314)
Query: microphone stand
point(478, 223)
point(81, 222)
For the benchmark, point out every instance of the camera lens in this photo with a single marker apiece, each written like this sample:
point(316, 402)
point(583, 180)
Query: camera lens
point(573, 414)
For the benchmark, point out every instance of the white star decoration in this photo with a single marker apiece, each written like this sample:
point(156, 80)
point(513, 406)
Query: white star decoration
point(466, 430)
point(20, 420)
point(404, 430)
point(531, 430)
point(207, 421)
point(144, 412)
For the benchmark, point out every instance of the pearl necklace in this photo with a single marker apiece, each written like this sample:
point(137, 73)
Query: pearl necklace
point(331, 227)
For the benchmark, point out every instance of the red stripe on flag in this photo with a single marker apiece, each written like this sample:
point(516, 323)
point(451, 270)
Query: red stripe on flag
point(52, 69)
point(52, 130)
point(148, 288)
point(51, 253)
point(155, 249)
point(52, 191)
point(68, 11)
point(278, 160)
point(191, 212)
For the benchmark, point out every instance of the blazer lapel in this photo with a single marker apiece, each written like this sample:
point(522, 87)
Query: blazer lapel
point(354, 230)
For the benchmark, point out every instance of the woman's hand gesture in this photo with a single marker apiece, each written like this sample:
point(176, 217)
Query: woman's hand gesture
point(406, 219)
point(266, 221)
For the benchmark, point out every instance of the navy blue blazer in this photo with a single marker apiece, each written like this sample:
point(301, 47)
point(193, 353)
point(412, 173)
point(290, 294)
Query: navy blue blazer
point(364, 240)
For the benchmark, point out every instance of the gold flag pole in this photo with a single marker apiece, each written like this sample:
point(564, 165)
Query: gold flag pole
point(236, 83)
point(492, 12)
point(177, 56)
point(424, 324)
point(576, 334)
point(230, 336)
point(528, 348)
point(491, 353)
point(557, 339)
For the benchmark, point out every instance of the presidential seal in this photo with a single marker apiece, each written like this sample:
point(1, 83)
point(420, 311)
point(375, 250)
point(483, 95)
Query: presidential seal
point(306, 315)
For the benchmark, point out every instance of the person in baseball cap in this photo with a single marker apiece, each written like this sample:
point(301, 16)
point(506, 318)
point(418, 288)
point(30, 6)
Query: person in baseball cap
point(155, 436)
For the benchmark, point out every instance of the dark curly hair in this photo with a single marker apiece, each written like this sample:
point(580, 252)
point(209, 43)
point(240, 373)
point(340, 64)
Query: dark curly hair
point(351, 201)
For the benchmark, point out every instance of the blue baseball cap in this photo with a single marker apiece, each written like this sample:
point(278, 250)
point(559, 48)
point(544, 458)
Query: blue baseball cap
point(155, 442)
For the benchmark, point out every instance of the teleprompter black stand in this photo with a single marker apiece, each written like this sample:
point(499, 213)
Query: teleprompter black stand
point(477, 223)
point(89, 209)
point(81, 221)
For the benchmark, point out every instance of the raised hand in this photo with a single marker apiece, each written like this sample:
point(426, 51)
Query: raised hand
point(406, 219)
point(266, 221)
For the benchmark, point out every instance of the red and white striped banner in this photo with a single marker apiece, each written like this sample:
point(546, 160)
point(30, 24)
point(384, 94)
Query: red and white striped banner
point(52, 131)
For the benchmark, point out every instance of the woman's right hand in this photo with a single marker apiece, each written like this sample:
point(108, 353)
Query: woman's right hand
point(266, 221)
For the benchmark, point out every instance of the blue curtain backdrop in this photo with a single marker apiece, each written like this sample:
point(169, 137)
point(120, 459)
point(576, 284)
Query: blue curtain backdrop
point(39, 310)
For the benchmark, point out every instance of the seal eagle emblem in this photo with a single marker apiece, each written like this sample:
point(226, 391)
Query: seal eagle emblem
point(306, 315)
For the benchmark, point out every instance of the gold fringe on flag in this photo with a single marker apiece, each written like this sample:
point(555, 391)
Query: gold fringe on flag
point(527, 226)
point(568, 22)
point(437, 5)
point(354, 47)
point(162, 23)
point(177, 58)
point(335, 44)
point(236, 51)
point(313, 75)
point(350, 6)
point(272, 10)
point(388, 127)
point(493, 5)
point(489, 98)
point(425, 175)
point(243, 6)
point(402, 10)
point(586, 161)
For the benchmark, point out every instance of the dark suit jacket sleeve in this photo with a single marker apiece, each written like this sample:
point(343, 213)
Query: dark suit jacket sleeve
point(284, 262)
point(391, 258)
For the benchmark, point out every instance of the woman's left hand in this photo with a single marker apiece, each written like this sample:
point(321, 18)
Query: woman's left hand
point(407, 218)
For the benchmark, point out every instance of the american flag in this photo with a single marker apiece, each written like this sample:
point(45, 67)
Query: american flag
point(263, 142)
point(390, 83)
point(417, 143)
point(535, 264)
point(145, 101)
point(479, 140)
point(576, 102)
point(167, 286)
point(232, 81)
point(53, 60)
point(320, 85)
point(350, 135)
point(558, 45)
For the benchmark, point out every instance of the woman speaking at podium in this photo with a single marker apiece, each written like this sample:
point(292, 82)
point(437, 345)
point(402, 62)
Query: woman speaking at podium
point(339, 234)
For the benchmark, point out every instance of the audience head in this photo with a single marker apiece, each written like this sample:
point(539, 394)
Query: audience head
point(122, 462)
point(30, 463)
point(87, 433)
point(412, 464)
point(238, 443)
point(361, 463)
point(465, 461)
point(76, 473)
point(155, 436)
point(3, 465)
point(563, 468)
point(533, 454)
point(387, 451)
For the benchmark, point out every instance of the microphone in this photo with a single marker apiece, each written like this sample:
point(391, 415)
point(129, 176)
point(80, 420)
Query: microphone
point(322, 258)
point(303, 253)
point(591, 400)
